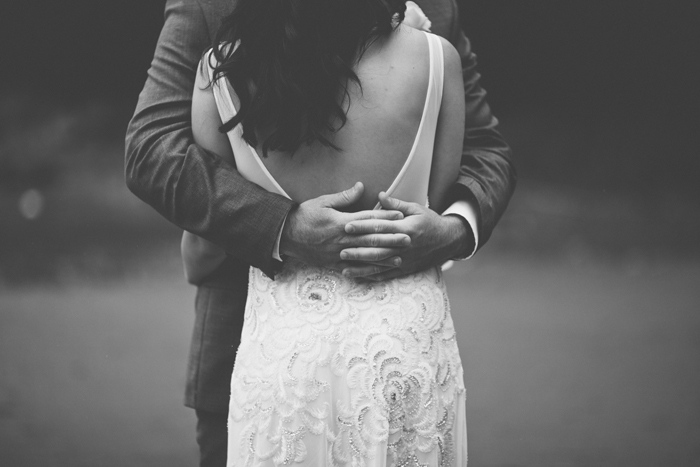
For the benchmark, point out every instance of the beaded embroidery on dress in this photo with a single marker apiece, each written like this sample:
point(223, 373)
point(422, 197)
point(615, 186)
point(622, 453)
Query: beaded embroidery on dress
point(335, 372)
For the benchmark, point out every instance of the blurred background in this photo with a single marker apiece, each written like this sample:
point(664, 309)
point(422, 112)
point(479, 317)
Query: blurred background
point(578, 323)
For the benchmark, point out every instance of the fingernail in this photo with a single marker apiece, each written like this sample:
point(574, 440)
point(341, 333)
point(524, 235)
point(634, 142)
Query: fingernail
point(350, 228)
point(397, 261)
point(344, 255)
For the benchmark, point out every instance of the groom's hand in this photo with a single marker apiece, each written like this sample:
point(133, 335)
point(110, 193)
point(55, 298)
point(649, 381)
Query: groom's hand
point(315, 232)
point(434, 240)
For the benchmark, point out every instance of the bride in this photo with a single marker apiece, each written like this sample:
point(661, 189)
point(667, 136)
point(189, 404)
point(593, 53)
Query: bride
point(306, 97)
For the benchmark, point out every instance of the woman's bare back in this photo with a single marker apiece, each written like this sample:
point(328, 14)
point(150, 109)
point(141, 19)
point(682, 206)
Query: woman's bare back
point(383, 117)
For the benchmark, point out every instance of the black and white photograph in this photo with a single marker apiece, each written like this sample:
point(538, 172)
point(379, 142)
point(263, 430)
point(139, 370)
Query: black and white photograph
point(362, 233)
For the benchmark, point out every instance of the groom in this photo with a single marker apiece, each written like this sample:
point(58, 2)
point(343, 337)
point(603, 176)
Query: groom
point(198, 192)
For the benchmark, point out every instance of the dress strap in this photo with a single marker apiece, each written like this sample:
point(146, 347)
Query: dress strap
point(437, 63)
point(224, 103)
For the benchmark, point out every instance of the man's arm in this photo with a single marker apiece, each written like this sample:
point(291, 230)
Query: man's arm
point(190, 187)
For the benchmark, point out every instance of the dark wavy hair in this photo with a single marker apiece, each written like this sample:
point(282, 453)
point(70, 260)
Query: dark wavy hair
point(293, 63)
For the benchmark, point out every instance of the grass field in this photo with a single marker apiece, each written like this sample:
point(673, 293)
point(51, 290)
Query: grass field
point(566, 364)
point(93, 375)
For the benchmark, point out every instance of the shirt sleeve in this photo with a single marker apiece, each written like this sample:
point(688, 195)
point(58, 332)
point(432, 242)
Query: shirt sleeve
point(467, 211)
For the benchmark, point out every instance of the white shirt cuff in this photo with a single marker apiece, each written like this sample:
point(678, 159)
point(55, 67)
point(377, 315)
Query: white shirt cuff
point(276, 249)
point(467, 211)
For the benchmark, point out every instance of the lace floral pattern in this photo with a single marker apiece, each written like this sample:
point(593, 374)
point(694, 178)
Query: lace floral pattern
point(331, 371)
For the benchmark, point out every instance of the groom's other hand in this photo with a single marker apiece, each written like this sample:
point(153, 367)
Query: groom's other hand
point(435, 239)
point(315, 232)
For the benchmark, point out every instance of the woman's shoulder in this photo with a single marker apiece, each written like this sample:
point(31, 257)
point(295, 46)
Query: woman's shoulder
point(410, 40)
point(449, 52)
point(414, 44)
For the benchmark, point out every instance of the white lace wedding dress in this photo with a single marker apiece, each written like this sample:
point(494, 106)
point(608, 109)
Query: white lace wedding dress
point(334, 372)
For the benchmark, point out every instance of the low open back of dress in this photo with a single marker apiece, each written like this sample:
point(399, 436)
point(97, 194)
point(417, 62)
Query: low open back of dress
point(410, 184)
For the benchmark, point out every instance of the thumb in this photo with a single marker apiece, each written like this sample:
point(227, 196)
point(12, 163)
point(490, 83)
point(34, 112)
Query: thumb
point(393, 204)
point(344, 198)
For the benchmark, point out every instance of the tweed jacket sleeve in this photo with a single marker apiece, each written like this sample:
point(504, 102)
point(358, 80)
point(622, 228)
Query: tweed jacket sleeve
point(190, 187)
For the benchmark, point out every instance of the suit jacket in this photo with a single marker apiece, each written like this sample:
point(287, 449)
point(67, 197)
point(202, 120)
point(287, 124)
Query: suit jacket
point(198, 192)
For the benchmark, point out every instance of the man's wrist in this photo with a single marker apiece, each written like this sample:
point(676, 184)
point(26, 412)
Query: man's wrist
point(467, 211)
point(463, 240)
point(287, 243)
